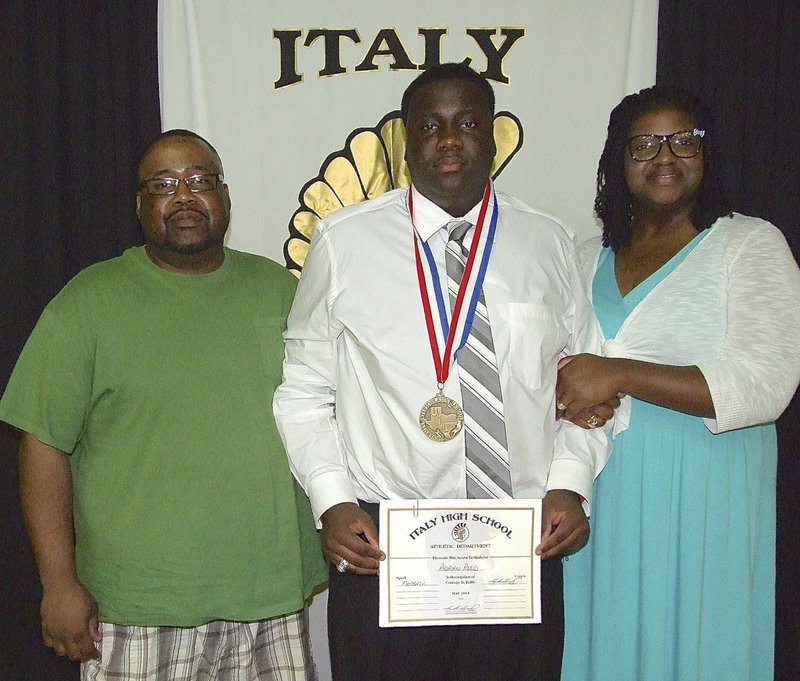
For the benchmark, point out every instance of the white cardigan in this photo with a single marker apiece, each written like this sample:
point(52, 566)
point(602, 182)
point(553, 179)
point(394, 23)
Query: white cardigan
point(732, 308)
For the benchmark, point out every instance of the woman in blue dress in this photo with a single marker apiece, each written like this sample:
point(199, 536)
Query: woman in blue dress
point(698, 307)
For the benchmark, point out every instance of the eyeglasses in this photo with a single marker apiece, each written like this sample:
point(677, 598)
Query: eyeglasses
point(684, 144)
point(165, 186)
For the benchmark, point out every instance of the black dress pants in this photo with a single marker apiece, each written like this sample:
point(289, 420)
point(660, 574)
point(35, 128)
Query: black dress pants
point(362, 651)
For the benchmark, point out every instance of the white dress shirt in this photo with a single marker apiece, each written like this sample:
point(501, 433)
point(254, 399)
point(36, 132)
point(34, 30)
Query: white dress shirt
point(359, 366)
point(730, 308)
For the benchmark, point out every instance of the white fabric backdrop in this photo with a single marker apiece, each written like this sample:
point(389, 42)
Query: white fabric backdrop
point(220, 73)
point(219, 61)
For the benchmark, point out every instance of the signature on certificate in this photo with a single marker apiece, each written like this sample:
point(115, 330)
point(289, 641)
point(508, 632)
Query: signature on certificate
point(452, 609)
point(517, 579)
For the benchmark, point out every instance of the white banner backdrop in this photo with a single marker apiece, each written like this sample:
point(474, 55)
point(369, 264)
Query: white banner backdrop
point(280, 88)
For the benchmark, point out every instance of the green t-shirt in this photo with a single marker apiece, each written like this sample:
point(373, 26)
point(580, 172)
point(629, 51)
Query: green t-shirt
point(159, 385)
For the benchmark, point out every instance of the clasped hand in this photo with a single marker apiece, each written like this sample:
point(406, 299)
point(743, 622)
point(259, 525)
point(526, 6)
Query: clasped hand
point(69, 621)
point(349, 533)
point(586, 386)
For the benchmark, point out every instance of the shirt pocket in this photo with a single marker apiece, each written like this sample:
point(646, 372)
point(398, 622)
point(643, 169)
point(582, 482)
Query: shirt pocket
point(537, 337)
point(269, 336)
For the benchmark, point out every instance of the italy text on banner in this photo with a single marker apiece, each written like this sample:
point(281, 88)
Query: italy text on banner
point(301, 98)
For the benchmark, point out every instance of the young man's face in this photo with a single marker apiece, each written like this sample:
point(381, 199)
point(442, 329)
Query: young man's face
point(450, 145)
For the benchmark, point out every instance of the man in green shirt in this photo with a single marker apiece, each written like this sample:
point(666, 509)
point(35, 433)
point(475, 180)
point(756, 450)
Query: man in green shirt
point(171, 539)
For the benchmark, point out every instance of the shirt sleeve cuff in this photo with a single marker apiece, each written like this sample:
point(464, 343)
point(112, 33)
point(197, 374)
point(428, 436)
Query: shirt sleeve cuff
point(573, 476)
point(730, 408)
point(327, 490)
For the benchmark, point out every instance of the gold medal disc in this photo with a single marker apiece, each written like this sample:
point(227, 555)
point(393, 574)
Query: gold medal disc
point(441, 418)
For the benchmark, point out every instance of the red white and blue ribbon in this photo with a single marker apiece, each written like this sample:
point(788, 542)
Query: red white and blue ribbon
point(454, 328)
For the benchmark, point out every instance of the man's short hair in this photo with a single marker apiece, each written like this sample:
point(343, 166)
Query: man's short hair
point(180, 132)
point(446, 72)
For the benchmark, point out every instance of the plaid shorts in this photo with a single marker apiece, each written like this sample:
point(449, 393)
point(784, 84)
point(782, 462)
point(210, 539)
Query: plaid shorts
point(275, 649)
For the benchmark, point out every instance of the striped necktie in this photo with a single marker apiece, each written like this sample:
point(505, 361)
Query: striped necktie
point(488, 474)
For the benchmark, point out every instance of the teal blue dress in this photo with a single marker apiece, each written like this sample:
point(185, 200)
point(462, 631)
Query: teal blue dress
point(677, 580)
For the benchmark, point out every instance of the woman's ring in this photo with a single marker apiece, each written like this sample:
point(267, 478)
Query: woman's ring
point(561, 406)
point(341, 566)
point(593, 421)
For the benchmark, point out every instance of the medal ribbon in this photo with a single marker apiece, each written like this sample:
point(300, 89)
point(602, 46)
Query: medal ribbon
point(469, 288)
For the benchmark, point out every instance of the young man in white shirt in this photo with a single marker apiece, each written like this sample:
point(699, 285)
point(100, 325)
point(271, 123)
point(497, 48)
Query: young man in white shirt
point(359, 366)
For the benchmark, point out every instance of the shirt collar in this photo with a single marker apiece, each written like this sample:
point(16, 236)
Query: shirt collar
point(429, 218)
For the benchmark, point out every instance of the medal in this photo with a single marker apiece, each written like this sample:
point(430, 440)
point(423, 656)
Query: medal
point(442, 418)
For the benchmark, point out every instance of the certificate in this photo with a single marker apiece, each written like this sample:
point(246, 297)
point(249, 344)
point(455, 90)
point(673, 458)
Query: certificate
point(460, 561)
